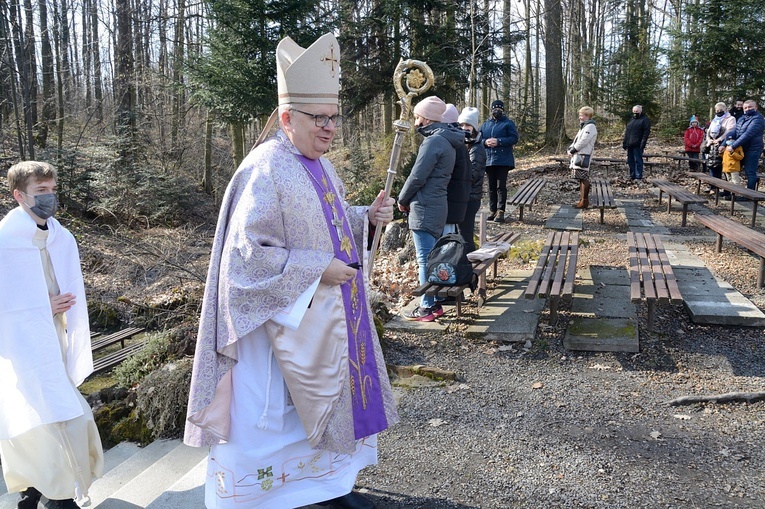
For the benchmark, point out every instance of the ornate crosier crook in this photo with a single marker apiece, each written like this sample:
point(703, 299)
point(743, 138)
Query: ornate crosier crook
point(419, 78)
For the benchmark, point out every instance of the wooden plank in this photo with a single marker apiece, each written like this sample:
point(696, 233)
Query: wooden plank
point(568, 287)
point(536, 276)
point(116, 337)
point(553, 253)
point(635, 291)
point(662, 293)
point(675, 297)
point(649, 289)
point(560, 265)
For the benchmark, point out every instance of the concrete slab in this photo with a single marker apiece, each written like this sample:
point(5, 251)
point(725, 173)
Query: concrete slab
point(603, 301)
point(602, 334)
point(710, 300)
point(564, 217)
point(507, 315)
point(187, 493)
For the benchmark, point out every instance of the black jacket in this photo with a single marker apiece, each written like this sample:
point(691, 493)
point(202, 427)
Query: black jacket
point(458, 190)
point(636, 133)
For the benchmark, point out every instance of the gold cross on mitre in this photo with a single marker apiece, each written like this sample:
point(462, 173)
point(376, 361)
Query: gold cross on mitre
point(331, 59)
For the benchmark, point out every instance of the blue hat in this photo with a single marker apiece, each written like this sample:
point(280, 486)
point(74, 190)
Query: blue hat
point(694, 119)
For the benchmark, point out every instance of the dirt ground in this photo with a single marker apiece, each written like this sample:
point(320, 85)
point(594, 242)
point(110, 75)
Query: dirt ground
point(539, 426)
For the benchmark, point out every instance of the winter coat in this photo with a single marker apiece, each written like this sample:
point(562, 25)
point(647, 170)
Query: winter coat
point(584, 141)
point(693, 138)
point(727, 126)
point(636, 133)
point(507, 135)
point(731, 161)
point(458, 190)
point(748, 133)
point(478, 165)
point(424, 191)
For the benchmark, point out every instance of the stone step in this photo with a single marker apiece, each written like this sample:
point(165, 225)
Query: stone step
point(128, 469)
point(187, 493)
point(150, 482)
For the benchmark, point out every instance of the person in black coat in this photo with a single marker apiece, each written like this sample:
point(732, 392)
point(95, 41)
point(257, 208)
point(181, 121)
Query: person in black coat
point(635, 138)
point(469, 122)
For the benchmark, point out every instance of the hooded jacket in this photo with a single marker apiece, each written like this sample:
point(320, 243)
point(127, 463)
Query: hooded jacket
point(636, 133)
point(478, 166)
point(507, 135)
point(693, 138)
point(424, 191)
point(458, 191)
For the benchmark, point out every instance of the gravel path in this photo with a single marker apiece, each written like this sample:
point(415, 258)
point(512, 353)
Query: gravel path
point(544, 427)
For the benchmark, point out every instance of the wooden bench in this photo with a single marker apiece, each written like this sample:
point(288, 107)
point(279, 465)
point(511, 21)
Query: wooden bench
point(734, 189)
point(113, 359)
point(679, 193)
point(702, 162)
point(554, 274)
point(117, 337)
point(603, 196)
point(526, 195)
point(479, 269)
point(736, 232)
point(651, 276)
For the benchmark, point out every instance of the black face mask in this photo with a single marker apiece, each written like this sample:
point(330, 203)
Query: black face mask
point(420, 129)
point(719, 113)
point(635, 115)
point(496, 114)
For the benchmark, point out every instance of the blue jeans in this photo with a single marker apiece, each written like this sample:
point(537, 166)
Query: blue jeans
point(423, 245)
point(635, 162)
point(749, 166)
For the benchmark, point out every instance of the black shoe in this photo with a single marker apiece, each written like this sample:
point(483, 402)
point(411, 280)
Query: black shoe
point(29, 499)
point(492, 216)
point(352, 500)
point(61, 504)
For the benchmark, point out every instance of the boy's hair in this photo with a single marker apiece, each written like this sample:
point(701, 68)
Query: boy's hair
point(21, 173)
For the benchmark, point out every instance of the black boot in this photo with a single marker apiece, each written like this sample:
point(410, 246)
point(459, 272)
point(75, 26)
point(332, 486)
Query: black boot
point(29, 499)
point(352, 500)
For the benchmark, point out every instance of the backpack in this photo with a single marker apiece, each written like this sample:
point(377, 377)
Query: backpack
point(448, 264)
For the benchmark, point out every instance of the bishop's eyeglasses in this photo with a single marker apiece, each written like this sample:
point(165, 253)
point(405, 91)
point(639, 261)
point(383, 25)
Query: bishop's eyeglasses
point(322, 120)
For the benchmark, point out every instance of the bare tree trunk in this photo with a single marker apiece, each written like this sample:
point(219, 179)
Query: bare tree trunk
point(24, 70)
point(31, 59)
point(66, 68)
point(507, 52)
point(178, 63)
point(125, 86)
point(207, 178)
point(57, 44)
point(98, 95)
point(86, 52)
point(9, 62)
point(555, 97)
point(48, 84)
point(237, 139)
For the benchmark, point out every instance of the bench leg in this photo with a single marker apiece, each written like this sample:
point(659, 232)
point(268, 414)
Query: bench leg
point(685, 214)
point(553, 309)
point(520, 213)
point(669, 203)
point(602, 212)
point(761, 275)
point(718, 245)
point(754, 213)
point(651, 312)
point(698, 187)
point(660, 193)
point(458, 299)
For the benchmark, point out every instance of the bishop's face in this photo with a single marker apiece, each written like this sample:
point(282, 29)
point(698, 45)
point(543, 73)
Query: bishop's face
point(299, 124)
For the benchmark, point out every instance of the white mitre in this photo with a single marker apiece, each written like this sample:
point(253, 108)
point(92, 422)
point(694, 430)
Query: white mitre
point(308, 76)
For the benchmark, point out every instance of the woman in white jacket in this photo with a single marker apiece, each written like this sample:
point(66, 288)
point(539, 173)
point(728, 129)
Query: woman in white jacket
point(581, 154)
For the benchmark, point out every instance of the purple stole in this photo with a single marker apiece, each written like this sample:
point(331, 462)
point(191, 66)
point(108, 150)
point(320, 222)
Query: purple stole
point(366, 394)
